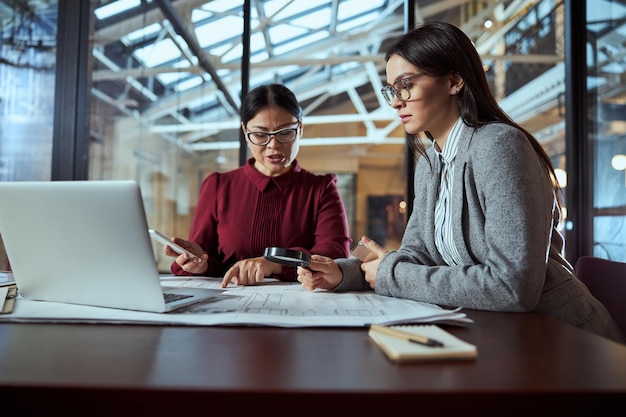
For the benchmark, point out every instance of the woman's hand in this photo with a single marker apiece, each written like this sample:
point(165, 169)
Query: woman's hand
point(322, 273)
point(197, 265)
point(370, 265)
point(250, 271)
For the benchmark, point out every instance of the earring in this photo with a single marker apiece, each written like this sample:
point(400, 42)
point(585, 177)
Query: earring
point(454, 91)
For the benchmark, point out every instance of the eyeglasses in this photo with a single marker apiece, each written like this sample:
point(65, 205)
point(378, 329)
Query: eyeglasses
point(400, 89)
point(263, 138)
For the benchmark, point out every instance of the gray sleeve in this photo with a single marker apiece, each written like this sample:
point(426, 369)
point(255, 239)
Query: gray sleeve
point(353, 278)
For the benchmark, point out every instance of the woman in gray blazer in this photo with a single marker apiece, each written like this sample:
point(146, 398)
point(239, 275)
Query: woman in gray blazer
point(484, 229)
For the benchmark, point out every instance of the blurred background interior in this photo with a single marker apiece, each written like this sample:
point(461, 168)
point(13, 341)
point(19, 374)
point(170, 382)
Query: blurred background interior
point(150, 90)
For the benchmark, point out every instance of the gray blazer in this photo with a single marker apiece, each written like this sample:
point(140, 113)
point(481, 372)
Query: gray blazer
point(504, 218)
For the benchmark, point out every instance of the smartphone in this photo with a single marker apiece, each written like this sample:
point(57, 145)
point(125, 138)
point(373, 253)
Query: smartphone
point(165, 241)
point(360, 251)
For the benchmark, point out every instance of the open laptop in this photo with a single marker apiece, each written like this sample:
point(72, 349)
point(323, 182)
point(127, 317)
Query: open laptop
point(85, 242)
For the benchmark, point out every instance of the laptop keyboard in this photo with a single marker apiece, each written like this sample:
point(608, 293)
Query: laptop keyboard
point(170, 297)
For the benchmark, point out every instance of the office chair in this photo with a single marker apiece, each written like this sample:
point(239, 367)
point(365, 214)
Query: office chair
point(606, 280)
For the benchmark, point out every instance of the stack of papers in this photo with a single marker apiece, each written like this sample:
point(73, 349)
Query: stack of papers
point(6, 278)
point(271, 303)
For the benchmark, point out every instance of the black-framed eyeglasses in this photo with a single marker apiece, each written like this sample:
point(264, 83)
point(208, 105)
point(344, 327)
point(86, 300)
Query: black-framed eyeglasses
point(400, 89)
point(263, 138)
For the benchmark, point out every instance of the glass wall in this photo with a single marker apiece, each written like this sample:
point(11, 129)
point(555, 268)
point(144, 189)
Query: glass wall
point(163, 90)
point(27, 79)
point(166, 83)
point(27, 75)
point(606, 140)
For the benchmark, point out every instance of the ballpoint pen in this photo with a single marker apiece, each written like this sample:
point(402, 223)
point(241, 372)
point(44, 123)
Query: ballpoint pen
point(411, 337)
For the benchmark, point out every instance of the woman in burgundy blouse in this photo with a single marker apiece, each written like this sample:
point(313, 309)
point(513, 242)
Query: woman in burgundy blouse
point(270, 201)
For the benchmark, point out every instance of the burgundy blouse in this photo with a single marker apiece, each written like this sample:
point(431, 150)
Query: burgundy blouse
point(241, 212)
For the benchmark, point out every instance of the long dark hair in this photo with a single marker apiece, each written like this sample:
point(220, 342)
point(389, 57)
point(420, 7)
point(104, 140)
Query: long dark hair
point(268, 95)
point(440, 49)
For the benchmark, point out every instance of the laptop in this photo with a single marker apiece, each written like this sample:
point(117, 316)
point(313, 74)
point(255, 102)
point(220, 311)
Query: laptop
point(86, 242)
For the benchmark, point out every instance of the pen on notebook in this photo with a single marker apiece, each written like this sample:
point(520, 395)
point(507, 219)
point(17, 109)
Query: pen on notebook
point(411, 337)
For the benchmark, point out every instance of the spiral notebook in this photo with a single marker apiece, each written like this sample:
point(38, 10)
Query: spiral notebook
point(402, 350)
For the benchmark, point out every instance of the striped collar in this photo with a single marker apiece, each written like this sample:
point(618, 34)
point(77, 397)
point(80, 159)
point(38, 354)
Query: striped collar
point(452, 142)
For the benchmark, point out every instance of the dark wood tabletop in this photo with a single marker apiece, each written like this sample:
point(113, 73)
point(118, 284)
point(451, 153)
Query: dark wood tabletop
point(527, 364)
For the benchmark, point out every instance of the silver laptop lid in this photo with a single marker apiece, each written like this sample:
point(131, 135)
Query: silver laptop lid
point(81, 242)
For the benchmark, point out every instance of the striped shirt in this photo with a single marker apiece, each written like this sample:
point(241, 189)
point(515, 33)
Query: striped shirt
point(444, 240)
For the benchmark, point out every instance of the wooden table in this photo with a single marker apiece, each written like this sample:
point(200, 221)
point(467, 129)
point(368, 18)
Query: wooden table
point(527, 365)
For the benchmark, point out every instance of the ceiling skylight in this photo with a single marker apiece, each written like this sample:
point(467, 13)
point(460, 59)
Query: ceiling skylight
point(115, 7)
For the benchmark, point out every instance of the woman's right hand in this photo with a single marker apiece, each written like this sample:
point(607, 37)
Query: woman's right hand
point(322, 273)
point(197, 265)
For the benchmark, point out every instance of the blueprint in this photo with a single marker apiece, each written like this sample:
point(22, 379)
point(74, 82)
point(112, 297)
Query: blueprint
point(271, 303)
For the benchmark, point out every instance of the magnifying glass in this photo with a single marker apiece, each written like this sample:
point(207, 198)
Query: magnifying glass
point(288, 257)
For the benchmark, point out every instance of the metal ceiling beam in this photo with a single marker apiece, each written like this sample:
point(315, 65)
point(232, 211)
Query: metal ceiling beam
point(181, 28)
point(374, 116)
point(103, 75)
point(305, 142)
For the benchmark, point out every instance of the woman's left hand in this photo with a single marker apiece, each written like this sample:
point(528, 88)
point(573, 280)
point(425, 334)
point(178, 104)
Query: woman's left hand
point(370, 265)
point(250, 271)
